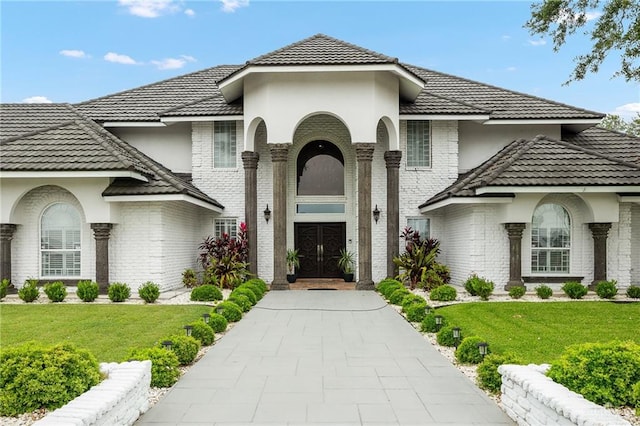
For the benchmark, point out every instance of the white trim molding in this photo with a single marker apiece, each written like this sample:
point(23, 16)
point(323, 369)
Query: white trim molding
point(161, 197)
point(133, 124)
point(629, 198)
point(466, 200)
point(556, 189)
point(73, 174)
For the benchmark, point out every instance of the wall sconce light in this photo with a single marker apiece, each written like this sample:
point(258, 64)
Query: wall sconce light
point(376, 214)
point(267, 214)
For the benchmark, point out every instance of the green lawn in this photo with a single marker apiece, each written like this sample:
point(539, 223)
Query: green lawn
point(108, 331)
point(539, 332)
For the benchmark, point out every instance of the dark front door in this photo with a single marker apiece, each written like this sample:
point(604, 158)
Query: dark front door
point(319, 247)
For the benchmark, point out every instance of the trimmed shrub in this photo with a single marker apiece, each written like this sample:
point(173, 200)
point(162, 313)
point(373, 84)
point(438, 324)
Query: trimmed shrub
point(635, 394)
point(488, 376)
point(574, 289)
point(469, 284)
point(185, 347)
point(217, 322)
point(467, 352)
point(164, 365)
point(202, 332)
point(246, 292)
point(229, 310)
point(517, 292)
point(428, 323)
point(87, 291)
point(206, 293)
point(607, 289)
point(479, 286)
point(259, 283)
point(633, 292)
point(189, 278)
point(412, 299)
point(444, 293)
point(396, 297)
point(118, 292)
point(149, 292)
point(55, 291)
point(254, 288)
point(242, 301)
point(386, 283)
point(4, 285)
point(29, 291)
point(445, 336)
point(416, 312)
point(544, 292)
point(603, 373)
point(34, 376)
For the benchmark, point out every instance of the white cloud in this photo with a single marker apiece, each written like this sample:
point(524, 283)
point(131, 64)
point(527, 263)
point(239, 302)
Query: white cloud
point(231, 6)
point(190, 12)
point(540, 42)
point(119, 59)
point(37, 100)
point(150, 8)
point(73, 53)
point(506, 37)
point(592, 15)
point(173, 63)
point(589, 16)
point(628, 111)
point(512, 69)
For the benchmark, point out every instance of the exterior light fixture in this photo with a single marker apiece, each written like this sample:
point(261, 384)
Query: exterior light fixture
point(167, 344)
point(456, 335)
point(483, 347)
point(438, 319)
point(206, 317)
point(376, 214)
point(188, 329)
point(267, 214)
point(427, 309)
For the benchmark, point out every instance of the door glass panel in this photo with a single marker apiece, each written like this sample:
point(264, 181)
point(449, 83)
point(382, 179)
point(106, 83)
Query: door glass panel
point(320, 208)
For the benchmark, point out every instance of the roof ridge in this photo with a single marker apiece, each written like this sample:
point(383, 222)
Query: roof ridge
point(505, 89)
point(590, 152)
point(37, 131)
point(520, 146)
point(197, 101)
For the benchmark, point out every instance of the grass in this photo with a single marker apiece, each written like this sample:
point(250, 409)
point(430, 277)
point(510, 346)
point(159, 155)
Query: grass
point(108, 331)
point(539, 332)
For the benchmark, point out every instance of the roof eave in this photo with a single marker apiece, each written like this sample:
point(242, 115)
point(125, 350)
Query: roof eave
point(559, 189)
point(176, 119)
point(566, 121)
point(75, 174)
point(446, 117)
point(164, 197)
point(429, 207)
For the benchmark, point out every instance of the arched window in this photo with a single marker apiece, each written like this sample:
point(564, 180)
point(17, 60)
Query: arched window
point(550, 239)
point(60, 245)
point(320, 169)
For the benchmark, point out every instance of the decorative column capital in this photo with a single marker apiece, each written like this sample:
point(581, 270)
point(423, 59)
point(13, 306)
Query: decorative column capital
point(101, 231)
point(514, 230)
point(392, 159)
point(600, 230)
point(364, 151)
point(7, 230)
point(279, 152)
point(250, 159)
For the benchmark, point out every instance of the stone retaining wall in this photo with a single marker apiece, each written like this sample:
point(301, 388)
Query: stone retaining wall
point(118, 400)
point(531, 398)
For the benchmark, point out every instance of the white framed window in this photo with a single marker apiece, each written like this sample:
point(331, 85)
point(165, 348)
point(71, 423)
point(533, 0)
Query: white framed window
point(226, 226)
point(60, 241)
point(550, 239)
point(420, 224)
point(224, 144)
point(418, 143)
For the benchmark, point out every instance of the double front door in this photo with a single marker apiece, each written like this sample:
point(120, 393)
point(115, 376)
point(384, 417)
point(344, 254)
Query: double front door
point(319, 247)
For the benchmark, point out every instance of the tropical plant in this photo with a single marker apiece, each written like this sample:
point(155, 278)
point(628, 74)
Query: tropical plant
point(346, 262)
point(293, 261)
point(225, 258)
point(189, 278)
point(418, 258)
point(229, 272)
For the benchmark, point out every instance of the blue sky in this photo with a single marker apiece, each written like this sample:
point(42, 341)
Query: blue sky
point(70, 51)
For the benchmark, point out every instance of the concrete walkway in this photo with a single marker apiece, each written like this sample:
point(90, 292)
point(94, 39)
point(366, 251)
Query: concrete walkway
point(324, 357)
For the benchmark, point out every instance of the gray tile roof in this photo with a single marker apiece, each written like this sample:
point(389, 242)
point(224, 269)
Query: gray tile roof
point(614, 144)
point(72, 142)
point(429, 103)
point(213, 105)
point(542, 161)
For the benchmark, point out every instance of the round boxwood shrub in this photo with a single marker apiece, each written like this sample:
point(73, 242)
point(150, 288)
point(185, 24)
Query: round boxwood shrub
point(245, 292)
point(488, 376)
point(4, 285)
point(396, 297)
point(386, 284)
point(444, 293)
point(603, 373)
point(412, 299)
point(164, 365)
point(119, 292)
point(35, 376)
point(259, 283)
point(29, 291)
point(185, 347)
point(635, 394)
point(469, 284)
point(87, 291)
point(416, 312)
point(428, 323)
point(149, 292)
point(229, 310)
point(479, 286)
point(55, 291)
point(574, 289)
point(217, 322)
point(242, 301)
point(633, 292)
point(517, 292)
point(206, 293)
point(607, 289)
point(445, 336)
point(259, 293)
point(467, 352)
point(202, 332)
point(544, 292)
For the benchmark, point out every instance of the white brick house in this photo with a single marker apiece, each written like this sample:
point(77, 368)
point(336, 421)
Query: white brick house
point(125, 187)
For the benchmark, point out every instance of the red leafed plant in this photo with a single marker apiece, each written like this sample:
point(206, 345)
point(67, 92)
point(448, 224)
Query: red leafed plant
point(226, 258)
